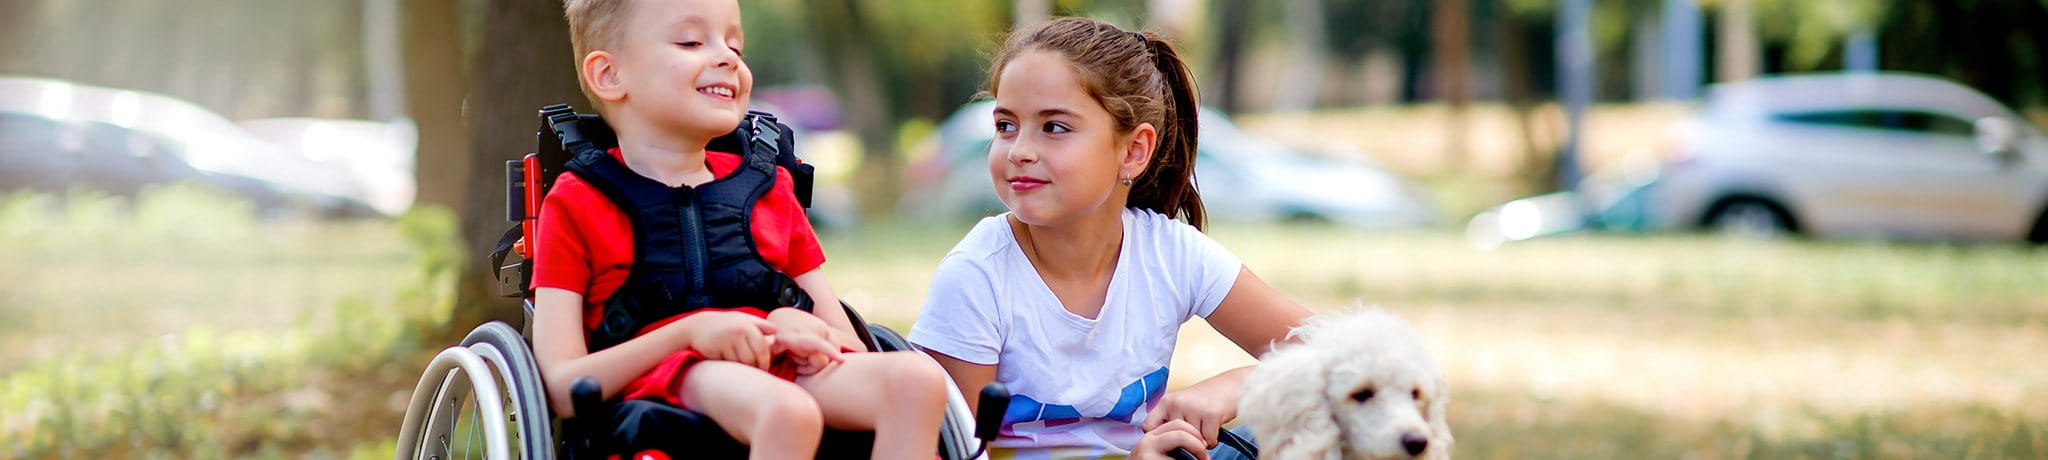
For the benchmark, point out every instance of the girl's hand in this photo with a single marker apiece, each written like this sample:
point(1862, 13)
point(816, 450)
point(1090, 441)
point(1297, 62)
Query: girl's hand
point(731, 336)
point(1176, 434)
point(1205, 406)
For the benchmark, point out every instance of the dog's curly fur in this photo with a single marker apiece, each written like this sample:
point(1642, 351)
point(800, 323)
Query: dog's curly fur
point(1355, 385)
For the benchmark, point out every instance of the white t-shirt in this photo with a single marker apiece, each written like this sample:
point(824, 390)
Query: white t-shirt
point(1079, 384)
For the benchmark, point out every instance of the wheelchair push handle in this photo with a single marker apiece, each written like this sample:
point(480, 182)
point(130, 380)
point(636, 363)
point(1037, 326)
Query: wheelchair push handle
point(587, 396)
point(1228, 438)
point(988, 420)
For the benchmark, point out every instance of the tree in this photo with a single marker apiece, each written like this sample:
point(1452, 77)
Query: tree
point(435, 84)
point(523, 62)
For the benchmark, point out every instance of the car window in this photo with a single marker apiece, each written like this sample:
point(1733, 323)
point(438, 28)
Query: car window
point(1912, 121)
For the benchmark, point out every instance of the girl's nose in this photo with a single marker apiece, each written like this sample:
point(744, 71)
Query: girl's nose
point(1020, 154)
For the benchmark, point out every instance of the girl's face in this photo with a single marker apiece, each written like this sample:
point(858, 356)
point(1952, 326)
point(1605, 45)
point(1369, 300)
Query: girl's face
point(1057, 155)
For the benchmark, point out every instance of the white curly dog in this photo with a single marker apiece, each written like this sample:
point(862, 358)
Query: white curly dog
point(1359, 385)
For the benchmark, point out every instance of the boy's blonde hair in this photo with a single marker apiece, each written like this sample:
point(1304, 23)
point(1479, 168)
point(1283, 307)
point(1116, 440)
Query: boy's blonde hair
point(594, 25)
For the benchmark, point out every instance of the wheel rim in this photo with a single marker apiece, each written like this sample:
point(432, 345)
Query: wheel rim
point(1751, 220)
point(454, 423)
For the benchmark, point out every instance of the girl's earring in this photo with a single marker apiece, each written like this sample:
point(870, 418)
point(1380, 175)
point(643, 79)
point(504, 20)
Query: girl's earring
point(1126, 180)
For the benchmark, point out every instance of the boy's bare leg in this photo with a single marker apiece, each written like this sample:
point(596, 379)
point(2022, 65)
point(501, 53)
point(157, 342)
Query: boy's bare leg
point(901, 396)
point(752, 405)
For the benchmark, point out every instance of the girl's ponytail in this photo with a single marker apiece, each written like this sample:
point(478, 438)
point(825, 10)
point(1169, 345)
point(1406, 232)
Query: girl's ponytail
point(1168, 184)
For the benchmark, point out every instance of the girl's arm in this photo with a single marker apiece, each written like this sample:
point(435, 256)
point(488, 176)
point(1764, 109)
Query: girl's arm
point(969, 376)
point(1254, 316)
point(559, 349)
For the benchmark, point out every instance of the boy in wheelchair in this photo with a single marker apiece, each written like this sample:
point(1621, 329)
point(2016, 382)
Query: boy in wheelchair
point(671, 272)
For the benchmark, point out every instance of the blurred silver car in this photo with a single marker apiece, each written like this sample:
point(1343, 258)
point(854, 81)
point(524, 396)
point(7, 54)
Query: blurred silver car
point(1890, 155)
point(138, 123)
point(1242, 178)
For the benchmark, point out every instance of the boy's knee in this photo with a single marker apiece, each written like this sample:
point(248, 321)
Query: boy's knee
point(790, 408)
point(917, 378)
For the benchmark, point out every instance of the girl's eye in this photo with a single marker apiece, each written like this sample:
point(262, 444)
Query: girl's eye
point(736, 52)
point(1056, 128)
point(1004, 126)
point(690, 44)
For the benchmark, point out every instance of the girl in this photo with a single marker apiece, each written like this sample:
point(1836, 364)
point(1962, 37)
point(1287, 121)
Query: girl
point(1073, 299)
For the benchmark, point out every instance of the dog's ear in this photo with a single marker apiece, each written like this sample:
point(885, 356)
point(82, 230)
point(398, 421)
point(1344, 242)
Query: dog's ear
point(1436, 409)
point(1287, 404)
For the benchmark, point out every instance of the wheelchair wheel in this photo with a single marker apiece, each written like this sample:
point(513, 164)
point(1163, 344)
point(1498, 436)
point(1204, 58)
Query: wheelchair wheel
point(483, 399)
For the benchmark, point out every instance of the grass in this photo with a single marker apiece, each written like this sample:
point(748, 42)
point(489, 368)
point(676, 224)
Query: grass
point(132, 332)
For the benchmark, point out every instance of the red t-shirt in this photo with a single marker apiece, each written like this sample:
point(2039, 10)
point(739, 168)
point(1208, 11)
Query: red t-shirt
point(585, 243)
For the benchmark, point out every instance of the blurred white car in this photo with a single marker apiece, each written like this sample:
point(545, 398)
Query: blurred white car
point(221, 151)
point(1834, 155)
point(377, 156)
point(1242, 178)
point(1860, 154)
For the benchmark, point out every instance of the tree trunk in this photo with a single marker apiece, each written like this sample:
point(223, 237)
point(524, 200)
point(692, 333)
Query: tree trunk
point(434, 87)
point(1738, 48)
point(1230, 53)
point(1536, 169)
point(523, 63)
point(858, 80)
point(1449, 26)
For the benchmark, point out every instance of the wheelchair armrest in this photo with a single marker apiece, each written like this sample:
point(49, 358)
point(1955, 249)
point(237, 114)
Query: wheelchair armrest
point(860, 327)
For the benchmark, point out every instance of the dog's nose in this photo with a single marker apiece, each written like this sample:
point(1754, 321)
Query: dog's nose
point(1415, 443)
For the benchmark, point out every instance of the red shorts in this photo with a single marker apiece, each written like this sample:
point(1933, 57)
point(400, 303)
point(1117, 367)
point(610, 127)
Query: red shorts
point(665, 381)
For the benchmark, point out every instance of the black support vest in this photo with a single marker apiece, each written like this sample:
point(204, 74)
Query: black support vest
point(693, 247)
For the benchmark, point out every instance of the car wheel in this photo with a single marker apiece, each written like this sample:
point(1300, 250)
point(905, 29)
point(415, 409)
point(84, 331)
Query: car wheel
point(1750, 219)
point(2040, 233)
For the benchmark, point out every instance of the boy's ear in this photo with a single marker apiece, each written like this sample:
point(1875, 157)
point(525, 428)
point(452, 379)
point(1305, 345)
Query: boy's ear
point(602, 76)
point(1138, 152)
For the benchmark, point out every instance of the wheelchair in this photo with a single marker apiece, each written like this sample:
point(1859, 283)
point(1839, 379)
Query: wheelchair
point(484, 397)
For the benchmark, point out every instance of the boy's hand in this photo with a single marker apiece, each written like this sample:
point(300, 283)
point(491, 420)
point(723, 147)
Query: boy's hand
point(733, 336)
point(812, 354)
point(804, 337)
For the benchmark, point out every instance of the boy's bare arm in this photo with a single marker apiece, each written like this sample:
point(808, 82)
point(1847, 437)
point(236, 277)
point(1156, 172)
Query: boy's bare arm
point(825, 304)
point(559, 349)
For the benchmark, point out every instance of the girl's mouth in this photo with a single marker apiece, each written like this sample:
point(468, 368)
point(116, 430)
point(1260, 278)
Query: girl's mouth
point(1024, 183)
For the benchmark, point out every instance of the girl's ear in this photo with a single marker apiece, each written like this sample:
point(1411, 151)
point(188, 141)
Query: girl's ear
point(1138, 152)
point(602, 76)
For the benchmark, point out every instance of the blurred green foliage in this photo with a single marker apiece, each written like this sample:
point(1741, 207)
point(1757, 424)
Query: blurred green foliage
point(319, 384)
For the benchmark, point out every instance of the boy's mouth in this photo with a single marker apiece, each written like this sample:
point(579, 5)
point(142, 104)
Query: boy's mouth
point(721, 91)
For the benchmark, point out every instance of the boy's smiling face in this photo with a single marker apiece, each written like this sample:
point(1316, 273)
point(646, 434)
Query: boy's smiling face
point(678, 66)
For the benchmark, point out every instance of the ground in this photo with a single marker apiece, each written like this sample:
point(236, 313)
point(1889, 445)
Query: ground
point(288, 338)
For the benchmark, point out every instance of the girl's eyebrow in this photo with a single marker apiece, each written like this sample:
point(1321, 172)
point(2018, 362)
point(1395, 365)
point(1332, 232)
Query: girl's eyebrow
point(1043, 113)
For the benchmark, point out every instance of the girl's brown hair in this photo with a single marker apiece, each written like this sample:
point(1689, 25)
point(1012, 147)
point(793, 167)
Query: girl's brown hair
point(1140, 78)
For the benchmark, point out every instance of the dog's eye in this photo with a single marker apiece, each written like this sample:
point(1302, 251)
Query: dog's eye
point(1415, 393)
point(1362, 395)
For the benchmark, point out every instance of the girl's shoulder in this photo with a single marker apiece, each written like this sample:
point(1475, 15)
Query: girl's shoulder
point(989, 237)
point(980, 254)
point(1150, 230)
